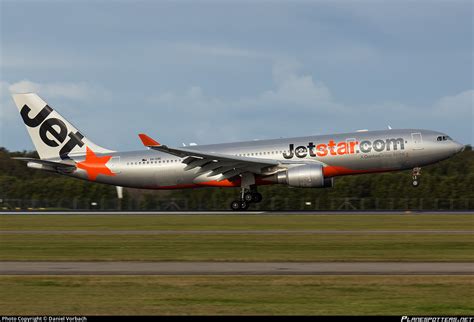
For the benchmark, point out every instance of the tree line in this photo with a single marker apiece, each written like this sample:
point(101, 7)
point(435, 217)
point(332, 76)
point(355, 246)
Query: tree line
point(446, 185)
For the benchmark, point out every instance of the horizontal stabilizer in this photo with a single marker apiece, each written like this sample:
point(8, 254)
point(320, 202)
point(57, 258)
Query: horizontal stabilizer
point(67, 166)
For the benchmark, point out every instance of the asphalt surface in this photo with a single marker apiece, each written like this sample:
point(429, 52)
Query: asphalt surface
point(234, 232)
point(234, 268)
point(230, 212)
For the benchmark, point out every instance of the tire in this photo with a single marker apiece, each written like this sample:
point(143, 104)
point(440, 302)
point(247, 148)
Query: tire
point(248, 197)
point(244, 205)
point(415, 183)
point(257, 197)
point(235, 205)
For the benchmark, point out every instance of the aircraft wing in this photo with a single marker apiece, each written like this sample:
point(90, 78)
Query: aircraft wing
point(213, 163)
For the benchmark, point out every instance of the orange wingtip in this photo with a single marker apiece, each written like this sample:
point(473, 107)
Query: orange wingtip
point(148, 141)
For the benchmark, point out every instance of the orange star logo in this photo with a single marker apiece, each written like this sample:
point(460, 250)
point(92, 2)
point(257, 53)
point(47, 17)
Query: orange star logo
point(95, 165)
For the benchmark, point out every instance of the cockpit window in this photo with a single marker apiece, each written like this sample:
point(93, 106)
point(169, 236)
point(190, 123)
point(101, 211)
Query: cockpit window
point(444, 138)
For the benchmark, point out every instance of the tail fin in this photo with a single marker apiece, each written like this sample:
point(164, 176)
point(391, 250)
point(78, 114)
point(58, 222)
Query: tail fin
point(53, 136)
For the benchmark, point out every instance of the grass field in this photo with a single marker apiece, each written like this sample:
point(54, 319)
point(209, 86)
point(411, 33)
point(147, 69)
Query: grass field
point(285, 295)
point(216, 246)
point(237, 222)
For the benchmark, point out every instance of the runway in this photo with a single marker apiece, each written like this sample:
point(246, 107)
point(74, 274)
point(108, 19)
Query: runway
point(235, 268)
point(230, 212)
point(233, 232)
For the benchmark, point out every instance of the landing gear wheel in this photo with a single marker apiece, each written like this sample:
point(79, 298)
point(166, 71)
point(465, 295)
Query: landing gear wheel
point(248, 197)
point(235, 205)
point(239, 205)
point(416, 173)
point(257, 197)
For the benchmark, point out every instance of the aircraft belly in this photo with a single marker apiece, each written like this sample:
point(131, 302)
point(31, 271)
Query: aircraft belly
point(165, 176)
point(371, 161)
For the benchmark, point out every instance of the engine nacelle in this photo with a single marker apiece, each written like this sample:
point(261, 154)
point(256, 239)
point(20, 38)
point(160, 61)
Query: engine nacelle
point(305, 176)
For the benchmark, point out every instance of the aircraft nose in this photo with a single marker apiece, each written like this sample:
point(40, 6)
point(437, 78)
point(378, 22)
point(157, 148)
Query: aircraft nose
point(458, 147)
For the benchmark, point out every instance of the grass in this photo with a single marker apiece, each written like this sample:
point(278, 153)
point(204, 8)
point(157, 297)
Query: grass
point(283, 295)
point(215, 246)
point(224, 295)
point(236, 222)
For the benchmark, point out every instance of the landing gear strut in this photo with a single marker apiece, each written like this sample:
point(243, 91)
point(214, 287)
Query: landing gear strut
point(247, 196)
point(416, 173)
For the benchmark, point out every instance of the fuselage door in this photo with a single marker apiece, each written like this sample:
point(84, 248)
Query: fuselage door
point(417, 141)
point(350, 144)
point(114, 164)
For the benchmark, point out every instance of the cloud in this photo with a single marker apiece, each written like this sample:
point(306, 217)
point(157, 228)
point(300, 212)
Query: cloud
point(456, 106)
point(75, 100)
point(7, 109)
point(74, 91)
point(292, 94)
point(297, 104)
point(291, 91)
point(64, 93)
point(295, 92)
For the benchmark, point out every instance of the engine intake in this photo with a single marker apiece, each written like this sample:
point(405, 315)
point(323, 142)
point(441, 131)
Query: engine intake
point(305, 176)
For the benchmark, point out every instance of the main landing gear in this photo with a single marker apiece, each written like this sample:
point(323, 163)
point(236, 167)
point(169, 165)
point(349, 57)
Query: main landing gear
point(416, 173)
point(247, 197)
point(248, 193)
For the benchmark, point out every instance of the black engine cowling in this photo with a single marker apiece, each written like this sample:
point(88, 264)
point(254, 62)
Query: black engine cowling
point(305, 176)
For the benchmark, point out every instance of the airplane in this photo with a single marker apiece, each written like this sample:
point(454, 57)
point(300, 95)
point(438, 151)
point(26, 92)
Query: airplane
point(304, 162)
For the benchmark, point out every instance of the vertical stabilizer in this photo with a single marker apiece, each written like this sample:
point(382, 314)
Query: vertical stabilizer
point(53, 136)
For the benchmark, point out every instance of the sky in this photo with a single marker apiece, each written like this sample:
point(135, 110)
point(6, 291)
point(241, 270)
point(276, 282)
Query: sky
point(223, 71)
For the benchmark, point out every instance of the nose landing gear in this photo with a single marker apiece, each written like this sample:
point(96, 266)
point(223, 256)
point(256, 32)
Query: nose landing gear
point(416, 173)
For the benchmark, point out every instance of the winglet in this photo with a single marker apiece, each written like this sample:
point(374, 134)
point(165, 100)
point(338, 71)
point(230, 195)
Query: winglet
point(148, 141)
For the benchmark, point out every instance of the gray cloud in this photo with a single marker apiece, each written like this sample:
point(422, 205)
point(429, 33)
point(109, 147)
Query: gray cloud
point(225, 71)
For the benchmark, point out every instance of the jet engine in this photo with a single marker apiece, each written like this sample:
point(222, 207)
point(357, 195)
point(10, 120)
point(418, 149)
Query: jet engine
point(305, 176)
